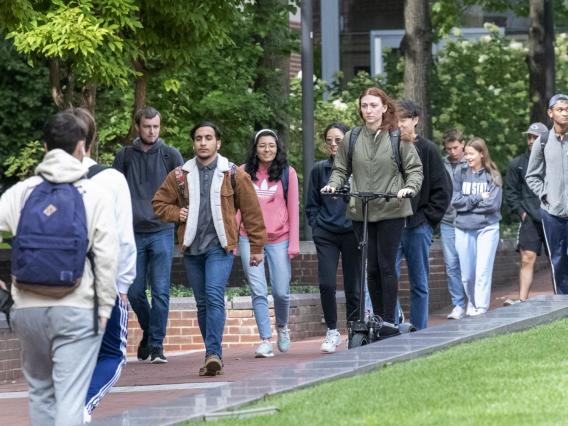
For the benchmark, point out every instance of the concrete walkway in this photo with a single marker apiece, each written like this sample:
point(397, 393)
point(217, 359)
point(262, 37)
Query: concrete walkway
point(169, 393)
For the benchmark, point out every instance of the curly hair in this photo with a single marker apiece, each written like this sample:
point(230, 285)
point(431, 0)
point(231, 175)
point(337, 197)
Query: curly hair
point(277, 166)
point(390, 117)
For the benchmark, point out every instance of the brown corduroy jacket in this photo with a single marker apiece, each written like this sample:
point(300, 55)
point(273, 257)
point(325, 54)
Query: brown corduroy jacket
point(168, 201)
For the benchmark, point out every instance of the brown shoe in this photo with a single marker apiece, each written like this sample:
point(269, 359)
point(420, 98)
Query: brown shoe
point(213, 366)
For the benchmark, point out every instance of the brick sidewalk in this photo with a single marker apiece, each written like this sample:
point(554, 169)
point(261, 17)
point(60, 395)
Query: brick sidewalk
point(239, 364)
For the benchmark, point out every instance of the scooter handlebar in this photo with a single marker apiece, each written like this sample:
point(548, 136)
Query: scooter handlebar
point(364, 195)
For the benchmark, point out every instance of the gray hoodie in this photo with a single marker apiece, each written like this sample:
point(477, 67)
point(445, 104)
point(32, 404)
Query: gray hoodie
point(473, 212)
point(547, 175)
point(450, 215)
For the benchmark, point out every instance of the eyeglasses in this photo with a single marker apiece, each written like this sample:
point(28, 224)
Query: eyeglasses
point(336, 141)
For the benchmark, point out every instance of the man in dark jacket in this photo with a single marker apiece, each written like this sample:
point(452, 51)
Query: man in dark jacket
point(145, 164)
point(524, 203)
point(428, 206)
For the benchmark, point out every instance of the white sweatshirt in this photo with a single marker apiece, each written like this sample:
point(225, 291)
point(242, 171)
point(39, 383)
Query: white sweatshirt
point(115, 182)
point(58, 166)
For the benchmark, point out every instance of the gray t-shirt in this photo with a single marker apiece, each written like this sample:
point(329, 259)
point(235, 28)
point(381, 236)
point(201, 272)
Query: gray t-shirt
point(206, 235)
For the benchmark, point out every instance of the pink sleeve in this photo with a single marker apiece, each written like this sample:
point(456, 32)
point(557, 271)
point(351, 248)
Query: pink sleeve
point(293, 214)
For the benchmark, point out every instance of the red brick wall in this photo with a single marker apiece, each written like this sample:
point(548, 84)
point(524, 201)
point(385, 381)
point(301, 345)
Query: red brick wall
point(305, 312)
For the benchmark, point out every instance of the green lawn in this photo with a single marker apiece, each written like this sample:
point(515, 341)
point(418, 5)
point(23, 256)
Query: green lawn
point(517, 379)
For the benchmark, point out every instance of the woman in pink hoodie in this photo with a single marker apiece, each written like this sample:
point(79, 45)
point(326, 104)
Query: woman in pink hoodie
point(276, 185)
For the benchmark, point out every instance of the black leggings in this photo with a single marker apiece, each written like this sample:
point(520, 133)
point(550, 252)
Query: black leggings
point(384, 239)
point(329, 245)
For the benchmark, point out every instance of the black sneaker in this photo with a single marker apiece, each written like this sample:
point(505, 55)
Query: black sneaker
point(387, 330)
point(144, 350)
point(158, 356)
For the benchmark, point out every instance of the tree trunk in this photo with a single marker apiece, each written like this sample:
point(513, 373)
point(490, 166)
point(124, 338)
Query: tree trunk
point(540, 58)
point(55, 84)
point(417, 49)
point(89, 95)
point(274, 58)
point(140, 92)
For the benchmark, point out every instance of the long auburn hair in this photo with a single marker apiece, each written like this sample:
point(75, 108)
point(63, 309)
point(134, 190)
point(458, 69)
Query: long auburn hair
point(390, 118)
point(278, 164)
point(480, 146)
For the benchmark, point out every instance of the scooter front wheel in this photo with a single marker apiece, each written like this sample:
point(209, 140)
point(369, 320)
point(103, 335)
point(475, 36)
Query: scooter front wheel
point(358, 339)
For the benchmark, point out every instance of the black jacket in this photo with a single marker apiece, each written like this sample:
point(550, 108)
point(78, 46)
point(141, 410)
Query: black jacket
point(145, 172)
point(518, 195)
point(325, 211)
point(431, 203)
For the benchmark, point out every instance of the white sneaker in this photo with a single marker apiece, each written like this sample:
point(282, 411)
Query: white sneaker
point(264, 350)
point(332, 340)
point(457, 313)
point(283, 339)
point(477, 311)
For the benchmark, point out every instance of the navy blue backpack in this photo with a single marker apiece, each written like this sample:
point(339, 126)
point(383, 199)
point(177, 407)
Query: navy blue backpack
point(50, 246)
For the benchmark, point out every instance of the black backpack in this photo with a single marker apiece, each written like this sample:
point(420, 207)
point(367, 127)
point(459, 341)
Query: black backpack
point(395, 145)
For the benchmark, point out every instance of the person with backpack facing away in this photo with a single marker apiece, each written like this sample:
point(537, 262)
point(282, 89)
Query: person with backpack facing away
point(146, 163)
point(380, 162)
point(477, 200)
point(333, 235)
point(112, 354)
point(524, 203)
point(203, 197)
point(64, 261)
point(428, 208)
point(547, 177)
point(276, 185)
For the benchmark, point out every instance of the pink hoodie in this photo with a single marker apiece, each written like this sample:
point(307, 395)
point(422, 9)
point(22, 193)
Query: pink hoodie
point(282, 220)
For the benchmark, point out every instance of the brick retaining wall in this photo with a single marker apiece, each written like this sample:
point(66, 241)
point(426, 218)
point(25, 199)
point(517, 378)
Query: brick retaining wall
point(305, 312)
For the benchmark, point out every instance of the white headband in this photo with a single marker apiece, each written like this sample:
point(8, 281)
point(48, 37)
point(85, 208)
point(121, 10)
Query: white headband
point(272, 132)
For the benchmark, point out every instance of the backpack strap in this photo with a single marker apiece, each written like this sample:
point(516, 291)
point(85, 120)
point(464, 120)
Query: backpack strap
point(127, 160)
point(180, 181)
point(95, 169)
point(395, 146)
point(285, 179)
point(233, 174)
point(352, 140)
point(168, 158)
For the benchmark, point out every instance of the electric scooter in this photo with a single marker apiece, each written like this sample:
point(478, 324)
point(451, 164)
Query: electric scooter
point(364, 331)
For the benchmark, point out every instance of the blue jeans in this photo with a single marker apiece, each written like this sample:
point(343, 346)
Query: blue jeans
point(477, 249)
point(154, 251)
point(208, 274)
point(276, 256)
point(452, 261)
point(415, 246)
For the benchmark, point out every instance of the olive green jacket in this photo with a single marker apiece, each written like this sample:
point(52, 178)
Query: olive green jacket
point(374, 170)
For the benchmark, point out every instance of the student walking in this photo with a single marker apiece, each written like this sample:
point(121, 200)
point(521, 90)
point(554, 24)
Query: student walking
point(454, 145)
point(333, 236)
point(112, 354)
point(60, 334)
point(547, 177)
point(477, 200)
point(145, 164)
point(276, 185)
point(373, 162)
point(203, 197)
point(523, 203)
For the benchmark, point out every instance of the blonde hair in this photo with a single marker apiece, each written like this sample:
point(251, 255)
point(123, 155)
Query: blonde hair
point(480, 146)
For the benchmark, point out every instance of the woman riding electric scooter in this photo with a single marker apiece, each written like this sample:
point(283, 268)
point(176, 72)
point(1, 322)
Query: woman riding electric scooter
point(376, 167)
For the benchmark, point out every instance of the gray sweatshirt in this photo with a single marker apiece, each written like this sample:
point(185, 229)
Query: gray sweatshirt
point(450, 215)
point(547, 176)
point(473, 212)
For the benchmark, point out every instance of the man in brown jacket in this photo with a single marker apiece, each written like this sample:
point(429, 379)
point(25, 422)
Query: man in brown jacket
point(203, 196)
